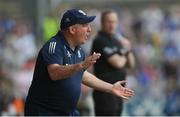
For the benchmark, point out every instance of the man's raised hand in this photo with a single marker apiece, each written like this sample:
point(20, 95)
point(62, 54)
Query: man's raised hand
point(89, 61)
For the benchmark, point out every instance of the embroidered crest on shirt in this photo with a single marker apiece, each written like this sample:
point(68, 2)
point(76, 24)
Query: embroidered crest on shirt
point(68, 54)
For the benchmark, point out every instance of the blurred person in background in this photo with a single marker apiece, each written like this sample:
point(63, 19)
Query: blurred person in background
point(112, 66)
point(6, 25)
point(170, 69)
point(50, 26)
point(21, 81)
point(6, 93)
point(153, 24)
point(19, 45)
point(23, 78)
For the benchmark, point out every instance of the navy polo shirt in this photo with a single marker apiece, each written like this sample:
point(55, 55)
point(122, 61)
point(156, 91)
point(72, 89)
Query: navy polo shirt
point(60, 96)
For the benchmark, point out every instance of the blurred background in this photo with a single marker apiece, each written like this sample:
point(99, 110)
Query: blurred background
point(152, 26)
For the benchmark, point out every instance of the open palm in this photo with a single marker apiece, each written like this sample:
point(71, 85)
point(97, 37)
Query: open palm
point(121, 91)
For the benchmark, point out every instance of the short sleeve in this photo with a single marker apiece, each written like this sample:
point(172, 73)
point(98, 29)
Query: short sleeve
point(106, 49)
point(52, 53)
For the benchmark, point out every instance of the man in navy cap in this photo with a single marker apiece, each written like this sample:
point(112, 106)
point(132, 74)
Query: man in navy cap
point(61, 67)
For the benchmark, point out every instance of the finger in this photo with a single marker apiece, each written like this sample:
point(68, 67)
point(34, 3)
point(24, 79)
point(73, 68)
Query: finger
point(92, 62)
point(96, 54)
point(124, 97)
point(122, 82)
point(127, 96)
point(95, 57)
point(129, 92)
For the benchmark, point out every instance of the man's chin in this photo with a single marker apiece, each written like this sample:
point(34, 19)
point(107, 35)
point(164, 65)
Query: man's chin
point(84, 41)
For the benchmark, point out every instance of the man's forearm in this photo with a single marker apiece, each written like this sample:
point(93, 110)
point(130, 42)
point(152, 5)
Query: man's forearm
point(60, 72)
point(131, 60)
point(117, 61)
point(93, 82)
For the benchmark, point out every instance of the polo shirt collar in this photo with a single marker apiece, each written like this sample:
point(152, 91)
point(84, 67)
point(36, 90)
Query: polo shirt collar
point(64, 41)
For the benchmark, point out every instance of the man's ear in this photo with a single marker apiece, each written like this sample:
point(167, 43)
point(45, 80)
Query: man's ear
point(72, 30)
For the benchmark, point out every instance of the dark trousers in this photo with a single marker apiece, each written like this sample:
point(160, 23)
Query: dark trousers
point(107, 104)
point(32, 109)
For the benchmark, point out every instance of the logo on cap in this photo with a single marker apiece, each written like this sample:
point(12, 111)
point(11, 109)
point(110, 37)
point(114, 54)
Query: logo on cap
point(82, 12)
point(67, 20)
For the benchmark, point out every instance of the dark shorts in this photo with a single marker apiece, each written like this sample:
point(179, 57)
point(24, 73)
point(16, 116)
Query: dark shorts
point(32, 109)
point(107, 104)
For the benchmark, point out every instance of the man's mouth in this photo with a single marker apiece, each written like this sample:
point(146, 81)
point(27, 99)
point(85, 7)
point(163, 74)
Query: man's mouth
point(87, 36)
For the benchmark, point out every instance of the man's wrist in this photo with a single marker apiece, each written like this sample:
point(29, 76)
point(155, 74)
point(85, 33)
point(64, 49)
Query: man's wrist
point(110, 89)
point(82, 66)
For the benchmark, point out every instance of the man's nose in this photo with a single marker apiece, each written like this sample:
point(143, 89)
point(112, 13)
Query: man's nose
point(89, 28)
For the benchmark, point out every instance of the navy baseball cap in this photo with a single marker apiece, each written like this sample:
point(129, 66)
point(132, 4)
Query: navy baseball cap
point(75, 16)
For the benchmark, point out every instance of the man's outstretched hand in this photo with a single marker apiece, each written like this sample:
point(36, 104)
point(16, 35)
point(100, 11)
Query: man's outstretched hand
point(122, 91)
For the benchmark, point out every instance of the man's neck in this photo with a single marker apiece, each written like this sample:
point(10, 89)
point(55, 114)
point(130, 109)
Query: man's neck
point(105, 31)
point(69, 39)
point(108, 34)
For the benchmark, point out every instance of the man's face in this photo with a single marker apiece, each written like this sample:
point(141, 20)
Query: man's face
point(82, 33)
point(110, 23)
